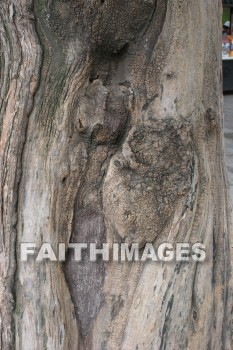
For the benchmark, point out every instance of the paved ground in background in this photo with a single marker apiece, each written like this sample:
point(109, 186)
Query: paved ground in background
point(228, 132)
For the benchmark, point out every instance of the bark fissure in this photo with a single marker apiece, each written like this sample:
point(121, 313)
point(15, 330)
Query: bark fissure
point(111, 132)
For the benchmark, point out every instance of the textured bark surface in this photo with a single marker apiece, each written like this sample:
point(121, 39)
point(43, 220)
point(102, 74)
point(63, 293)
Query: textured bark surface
point(111, 130)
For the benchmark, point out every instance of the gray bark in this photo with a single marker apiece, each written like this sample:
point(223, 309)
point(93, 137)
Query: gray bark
point(111, 130)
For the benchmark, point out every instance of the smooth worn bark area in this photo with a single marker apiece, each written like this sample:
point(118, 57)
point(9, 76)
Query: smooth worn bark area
point(111, 131)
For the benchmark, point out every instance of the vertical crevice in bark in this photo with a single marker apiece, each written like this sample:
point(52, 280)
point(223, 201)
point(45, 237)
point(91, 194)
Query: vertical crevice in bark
point(19, 81)
point(123, 143)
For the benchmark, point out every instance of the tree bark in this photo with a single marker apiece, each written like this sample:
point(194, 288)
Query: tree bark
point(111, 131)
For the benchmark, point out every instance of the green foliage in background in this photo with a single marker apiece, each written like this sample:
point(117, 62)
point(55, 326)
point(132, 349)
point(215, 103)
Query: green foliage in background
point(226, 15)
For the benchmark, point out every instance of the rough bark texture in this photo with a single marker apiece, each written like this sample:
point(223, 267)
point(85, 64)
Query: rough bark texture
point(111, 130)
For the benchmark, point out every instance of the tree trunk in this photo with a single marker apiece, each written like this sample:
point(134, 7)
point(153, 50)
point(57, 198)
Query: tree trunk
point(111, 131)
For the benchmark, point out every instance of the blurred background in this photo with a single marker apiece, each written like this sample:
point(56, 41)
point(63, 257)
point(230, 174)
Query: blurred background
point(227, 60)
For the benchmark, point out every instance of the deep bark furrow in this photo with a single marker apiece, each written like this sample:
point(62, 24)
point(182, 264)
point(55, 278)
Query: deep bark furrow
point(111, 131)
